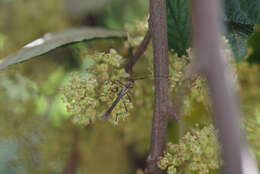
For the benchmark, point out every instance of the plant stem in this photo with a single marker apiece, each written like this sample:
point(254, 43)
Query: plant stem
point(140, 50)
point(162, 105)
point(73, 161)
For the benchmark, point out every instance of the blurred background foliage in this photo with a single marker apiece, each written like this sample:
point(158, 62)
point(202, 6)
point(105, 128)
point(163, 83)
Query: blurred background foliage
point(37, 135)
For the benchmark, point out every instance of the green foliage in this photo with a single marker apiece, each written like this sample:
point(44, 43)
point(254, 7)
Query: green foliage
point(197, 150)
point(240, 16)
point(179, 26)
point(121, 12)
point(237, 34)
point(254, 46)
point(253, 125)
point(242, 11)
point(248, 76)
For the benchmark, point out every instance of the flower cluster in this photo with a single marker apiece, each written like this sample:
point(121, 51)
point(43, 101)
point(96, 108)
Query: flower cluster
point(198, 150)
point(79, 94)
point(136, 32)
point(96, 89)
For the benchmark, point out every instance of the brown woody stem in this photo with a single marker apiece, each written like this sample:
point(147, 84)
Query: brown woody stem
point(162, 105)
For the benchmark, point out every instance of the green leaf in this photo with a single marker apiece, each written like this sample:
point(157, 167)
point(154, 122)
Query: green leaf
point(50, 42)
point(240, 16)
point(237, 34)
point(119, 12)
point(254, 45)
point(179, 26)
point(242, 11)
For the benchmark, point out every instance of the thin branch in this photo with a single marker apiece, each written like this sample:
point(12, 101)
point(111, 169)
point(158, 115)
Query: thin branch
point(73, 161)
point(210, 62)
point(140, 50)
point(162, 105)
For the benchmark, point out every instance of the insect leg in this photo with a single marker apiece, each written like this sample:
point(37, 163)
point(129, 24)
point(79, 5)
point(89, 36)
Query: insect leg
point(108, 112)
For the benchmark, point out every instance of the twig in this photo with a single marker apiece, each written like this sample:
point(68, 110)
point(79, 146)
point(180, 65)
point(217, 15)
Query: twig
point(140, 50)
point(74, 159)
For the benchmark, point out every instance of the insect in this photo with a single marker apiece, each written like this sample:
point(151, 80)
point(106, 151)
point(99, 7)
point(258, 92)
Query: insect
point(124, 91)
point(121, 94)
